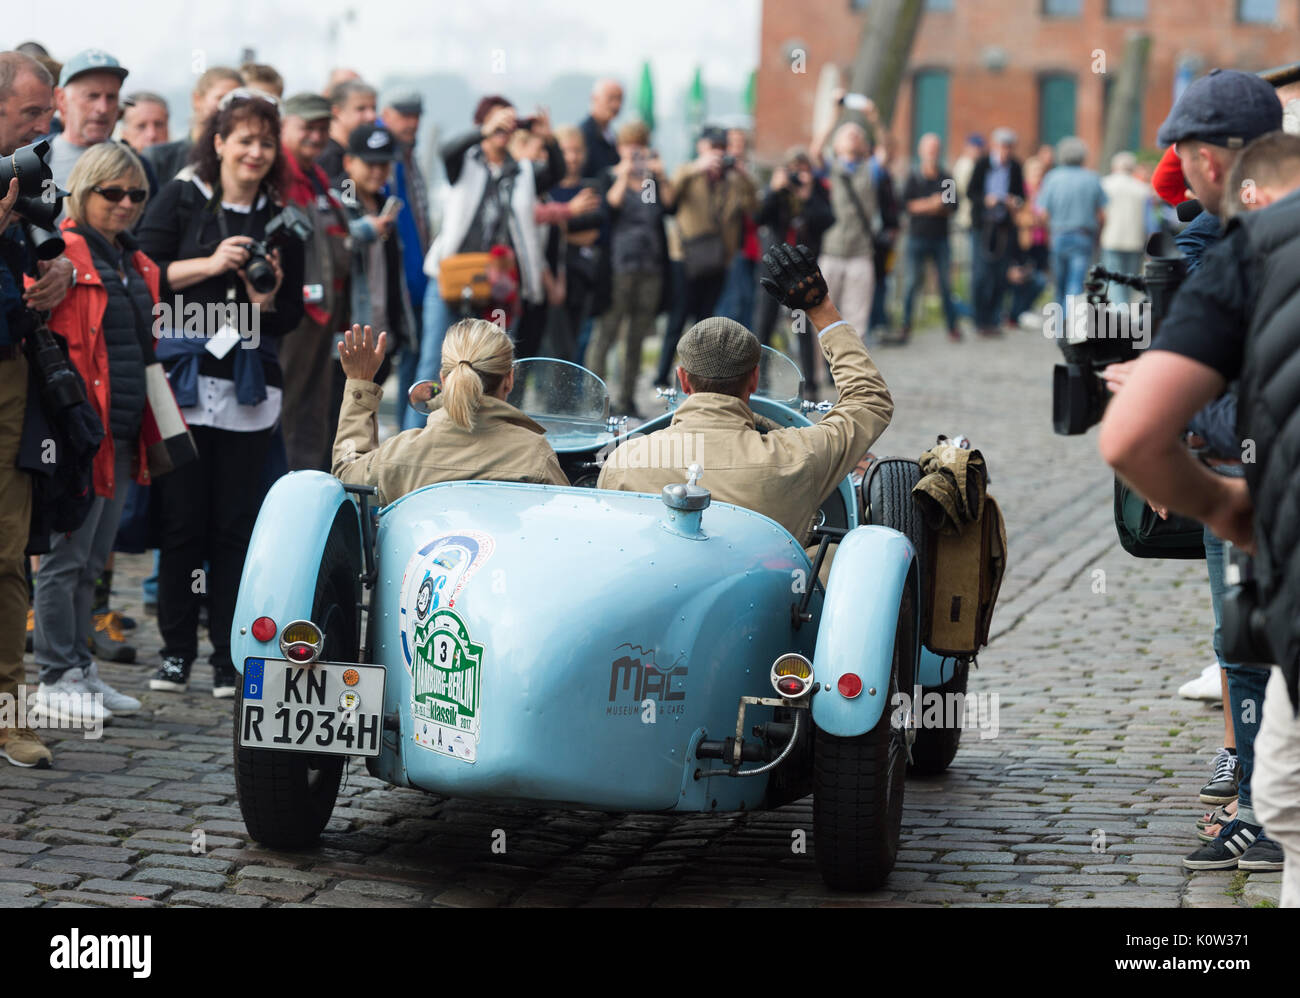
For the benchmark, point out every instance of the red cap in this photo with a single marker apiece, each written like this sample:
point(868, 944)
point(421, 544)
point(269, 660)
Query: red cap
point(1167, 179)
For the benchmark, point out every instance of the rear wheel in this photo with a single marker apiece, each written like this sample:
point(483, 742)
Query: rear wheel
point(287, 798)
point(936, 747)
point(858, 782)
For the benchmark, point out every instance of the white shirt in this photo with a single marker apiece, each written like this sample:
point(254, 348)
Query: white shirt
point(1125, 228)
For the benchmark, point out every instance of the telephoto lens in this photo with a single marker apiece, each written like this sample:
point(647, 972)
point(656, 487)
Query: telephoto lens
point(29, 166)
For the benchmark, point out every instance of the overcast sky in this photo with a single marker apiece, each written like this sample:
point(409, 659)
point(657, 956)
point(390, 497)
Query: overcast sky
point(157, 40)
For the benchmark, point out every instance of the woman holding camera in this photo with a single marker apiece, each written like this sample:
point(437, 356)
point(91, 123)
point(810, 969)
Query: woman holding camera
point(106, 320)
point(227, 299)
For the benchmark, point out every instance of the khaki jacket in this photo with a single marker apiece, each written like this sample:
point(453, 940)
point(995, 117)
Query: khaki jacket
point(504, 446)
point(786, 473)
point(704, 207)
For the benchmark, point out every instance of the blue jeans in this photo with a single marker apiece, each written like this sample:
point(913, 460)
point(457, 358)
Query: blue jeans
point(920, 249)
point(434, 323)
point(1124, 262)
point(989, 277)
point(737, 301)
point(1245, 685)
point(1024, 295)
point(1071, 255)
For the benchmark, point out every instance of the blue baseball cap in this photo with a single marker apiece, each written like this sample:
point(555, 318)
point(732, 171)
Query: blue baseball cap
point(90, 61)
point(1226, 107)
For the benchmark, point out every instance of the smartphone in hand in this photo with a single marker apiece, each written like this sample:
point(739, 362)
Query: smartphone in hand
point(391, 207)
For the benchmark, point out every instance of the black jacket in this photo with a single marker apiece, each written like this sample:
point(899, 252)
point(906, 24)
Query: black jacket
point(602, 154)
point(1269, 414)
point(975, 189)
point(787, 222)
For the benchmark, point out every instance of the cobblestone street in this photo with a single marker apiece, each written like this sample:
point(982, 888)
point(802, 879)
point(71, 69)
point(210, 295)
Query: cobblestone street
point(1087, 796)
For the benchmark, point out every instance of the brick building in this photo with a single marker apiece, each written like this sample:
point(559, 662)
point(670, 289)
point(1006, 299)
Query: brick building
point(1027, 64)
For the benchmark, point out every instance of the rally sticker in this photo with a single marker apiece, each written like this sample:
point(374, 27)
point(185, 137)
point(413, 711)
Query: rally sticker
point(446, 679)
point(444, 663)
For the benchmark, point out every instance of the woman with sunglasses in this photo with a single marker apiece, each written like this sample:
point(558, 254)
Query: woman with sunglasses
point(218, 336)
point(106, 320)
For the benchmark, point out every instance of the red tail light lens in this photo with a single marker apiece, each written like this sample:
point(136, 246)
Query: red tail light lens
point(300, 653)
point(264, 628)
point(790, 686)
point(849, 685)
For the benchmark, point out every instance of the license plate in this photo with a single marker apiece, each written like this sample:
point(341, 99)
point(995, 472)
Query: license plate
point(331, 708)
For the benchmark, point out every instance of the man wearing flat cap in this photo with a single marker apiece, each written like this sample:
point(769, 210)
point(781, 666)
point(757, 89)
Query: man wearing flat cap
point(307, 358)
point(784, 473)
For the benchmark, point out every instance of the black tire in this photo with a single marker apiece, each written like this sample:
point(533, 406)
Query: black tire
point(858, 782)
point(287, 798)
point(935, 748)
point(887, 502)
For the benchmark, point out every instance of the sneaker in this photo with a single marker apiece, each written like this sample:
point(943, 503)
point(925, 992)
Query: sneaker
point(23, 747)
point(1207, 686)
point(108, 642)
point(72, 699)
point(225, 680)
point(173, 675)
point(1222, 787)
point(117, 703)
point(1226, 850)
point(1262, 857)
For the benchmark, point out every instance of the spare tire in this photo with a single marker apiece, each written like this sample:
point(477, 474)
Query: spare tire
point(887, 502)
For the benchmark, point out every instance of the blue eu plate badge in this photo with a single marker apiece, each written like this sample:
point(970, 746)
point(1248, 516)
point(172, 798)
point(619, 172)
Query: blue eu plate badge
point(253, 669)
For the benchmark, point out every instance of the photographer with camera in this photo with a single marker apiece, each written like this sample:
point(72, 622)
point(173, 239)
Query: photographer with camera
point(714, 195)
point(1208, 127)
point(232, 259)
point(1239, 301)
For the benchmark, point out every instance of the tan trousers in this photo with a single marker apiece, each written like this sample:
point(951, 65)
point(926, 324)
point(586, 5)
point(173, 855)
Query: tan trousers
point(1275, 784)
point(15, 522)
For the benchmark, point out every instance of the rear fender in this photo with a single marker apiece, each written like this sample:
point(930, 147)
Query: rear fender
point(858, 620)
point(284, 556)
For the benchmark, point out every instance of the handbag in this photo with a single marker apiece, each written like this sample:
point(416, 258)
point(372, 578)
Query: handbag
point(1144, 535)
point(463, 278)
point(705, 255)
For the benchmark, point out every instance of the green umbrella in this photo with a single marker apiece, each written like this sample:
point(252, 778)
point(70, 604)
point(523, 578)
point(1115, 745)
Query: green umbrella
point(751, 92)
point(696, 105)
point(645, 97)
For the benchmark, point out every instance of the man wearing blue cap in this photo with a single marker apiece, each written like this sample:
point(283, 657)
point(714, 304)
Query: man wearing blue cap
point(87, 99)
point(1198, 352)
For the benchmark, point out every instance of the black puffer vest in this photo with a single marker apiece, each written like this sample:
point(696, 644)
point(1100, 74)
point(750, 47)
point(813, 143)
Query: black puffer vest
point(1269, 414)
point(127, 317)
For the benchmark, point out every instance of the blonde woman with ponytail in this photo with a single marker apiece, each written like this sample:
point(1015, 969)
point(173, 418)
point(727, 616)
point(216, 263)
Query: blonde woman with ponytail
point(476, 434)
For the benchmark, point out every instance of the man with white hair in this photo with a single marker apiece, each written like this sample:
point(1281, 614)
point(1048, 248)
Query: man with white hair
point(1074, 201)
point(598, 129)
point(849, 245)
point(996, 192)
point(1124, 233)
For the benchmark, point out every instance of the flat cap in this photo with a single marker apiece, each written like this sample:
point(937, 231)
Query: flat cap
point(1226, 107)
point(718, 348)
point(90, 61)
point(307, 106)
point(405, 101)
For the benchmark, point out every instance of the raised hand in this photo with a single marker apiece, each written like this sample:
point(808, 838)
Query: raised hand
point(794, 278)
point(360, 354)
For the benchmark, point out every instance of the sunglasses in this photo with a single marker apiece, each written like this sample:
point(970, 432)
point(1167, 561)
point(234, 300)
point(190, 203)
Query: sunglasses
point(116, 194)
point(245, 93)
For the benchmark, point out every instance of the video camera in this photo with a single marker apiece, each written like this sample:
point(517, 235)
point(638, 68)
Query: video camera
point(1244, 634)
point(290, 223)
point(1079, 396)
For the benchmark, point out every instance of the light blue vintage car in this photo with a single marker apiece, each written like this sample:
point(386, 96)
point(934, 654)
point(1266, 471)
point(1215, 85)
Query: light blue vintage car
point(588, 649)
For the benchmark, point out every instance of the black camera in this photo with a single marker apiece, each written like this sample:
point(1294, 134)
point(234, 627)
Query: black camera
point(290, 223)
point(61, 385)
point(39, 199)
point(1079, 396)
point(1243, 634)
point(728, 163)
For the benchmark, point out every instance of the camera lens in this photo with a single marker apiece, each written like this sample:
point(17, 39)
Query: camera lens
point(261, 275)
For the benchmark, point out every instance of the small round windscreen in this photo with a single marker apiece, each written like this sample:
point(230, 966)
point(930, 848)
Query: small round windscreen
point(570, 402)
point(779, 379)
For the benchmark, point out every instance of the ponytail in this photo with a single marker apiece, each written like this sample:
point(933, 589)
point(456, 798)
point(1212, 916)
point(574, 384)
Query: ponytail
point(476, 357)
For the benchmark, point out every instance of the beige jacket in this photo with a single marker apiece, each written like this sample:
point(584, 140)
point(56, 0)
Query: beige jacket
point(785, 474)
point(704, 206)
point(504, 446)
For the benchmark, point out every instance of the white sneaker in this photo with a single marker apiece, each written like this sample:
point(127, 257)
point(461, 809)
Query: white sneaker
point(71, 700)
point(1207, 686)
point(1031, 321)
point(115, 702)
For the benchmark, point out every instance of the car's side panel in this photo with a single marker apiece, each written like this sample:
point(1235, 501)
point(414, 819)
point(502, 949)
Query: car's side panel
point(856, 627)
point(601, 657)
point(284, 554)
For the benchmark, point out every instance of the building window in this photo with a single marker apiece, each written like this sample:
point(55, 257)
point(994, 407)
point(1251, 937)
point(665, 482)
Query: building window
point(1257, 11)
point(1056, 105)
point(1126, 10)
point(930, 106)
point(1062, 8)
